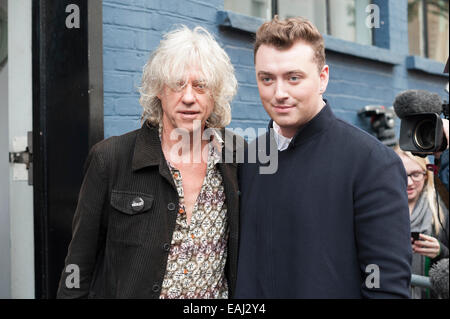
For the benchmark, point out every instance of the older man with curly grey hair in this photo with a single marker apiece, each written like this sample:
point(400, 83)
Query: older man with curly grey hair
point(157, 215)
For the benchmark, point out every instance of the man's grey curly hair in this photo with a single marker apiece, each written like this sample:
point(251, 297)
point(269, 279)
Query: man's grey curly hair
point(178, 53)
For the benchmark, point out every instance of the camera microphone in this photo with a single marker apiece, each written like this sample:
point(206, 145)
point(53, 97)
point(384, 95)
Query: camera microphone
point(412, 102)
point(421, 130)
point(439, 278)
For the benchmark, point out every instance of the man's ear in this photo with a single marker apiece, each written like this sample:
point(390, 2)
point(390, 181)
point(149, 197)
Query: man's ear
point(161, 93)
point(324, 77)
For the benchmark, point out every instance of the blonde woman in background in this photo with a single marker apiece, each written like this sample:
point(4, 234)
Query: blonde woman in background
point(426, 218)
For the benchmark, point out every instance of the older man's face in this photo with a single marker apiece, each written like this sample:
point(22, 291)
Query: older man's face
point(186, 103)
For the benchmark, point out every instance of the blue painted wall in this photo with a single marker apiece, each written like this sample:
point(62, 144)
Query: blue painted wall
point(133, 28)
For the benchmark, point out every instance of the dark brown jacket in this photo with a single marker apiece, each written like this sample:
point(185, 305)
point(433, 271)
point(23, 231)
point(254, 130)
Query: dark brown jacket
point(120, 252)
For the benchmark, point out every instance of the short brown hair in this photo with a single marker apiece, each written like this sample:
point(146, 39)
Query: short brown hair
point(283, 34)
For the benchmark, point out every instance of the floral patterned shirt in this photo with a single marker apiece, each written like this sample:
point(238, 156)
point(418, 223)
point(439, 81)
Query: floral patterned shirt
point(198, 252)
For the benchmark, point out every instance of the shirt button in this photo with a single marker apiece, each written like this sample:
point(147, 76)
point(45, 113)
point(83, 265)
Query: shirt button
point(137, 204)
point(171, 206)
point(155, 288)
point(166, 247)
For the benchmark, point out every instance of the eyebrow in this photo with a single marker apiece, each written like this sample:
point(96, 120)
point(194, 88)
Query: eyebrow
point(195, 81)
point(287, 73)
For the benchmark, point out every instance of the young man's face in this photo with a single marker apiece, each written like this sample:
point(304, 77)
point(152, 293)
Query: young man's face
point(290, 85)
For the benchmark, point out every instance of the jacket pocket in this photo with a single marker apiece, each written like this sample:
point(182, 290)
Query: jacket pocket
point(131, 203)
point(130, 217)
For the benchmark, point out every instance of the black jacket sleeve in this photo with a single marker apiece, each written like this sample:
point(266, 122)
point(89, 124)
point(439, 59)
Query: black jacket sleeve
point(86, 229)
point(382, 226)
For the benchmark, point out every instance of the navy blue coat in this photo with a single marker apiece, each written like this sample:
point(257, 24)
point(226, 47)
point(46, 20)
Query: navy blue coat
point(336, 205)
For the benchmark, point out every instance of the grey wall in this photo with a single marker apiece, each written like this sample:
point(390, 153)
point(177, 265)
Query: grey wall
point(5, 250)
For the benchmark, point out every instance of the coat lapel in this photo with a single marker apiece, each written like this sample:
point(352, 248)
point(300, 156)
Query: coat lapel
point(148, 152)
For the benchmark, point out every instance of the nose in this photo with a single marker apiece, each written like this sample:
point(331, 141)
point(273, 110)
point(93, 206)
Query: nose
point(410, 181)
point(280, 93)
point(188, 95)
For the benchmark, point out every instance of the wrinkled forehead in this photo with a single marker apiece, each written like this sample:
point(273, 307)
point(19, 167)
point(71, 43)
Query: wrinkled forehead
point(190, 74)
point(187, 73)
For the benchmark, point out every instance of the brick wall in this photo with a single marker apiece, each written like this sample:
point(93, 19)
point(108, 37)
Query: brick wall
point(133, 28)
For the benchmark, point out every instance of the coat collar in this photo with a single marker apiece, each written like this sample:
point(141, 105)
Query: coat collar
point(148, 150)
point(318, 124)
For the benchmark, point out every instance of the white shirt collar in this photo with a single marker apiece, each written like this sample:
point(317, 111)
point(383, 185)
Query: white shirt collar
point(282, 142)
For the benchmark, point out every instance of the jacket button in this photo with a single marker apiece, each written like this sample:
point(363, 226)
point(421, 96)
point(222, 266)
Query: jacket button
point(171, 206)
point(166, 246)
point(155, 288)
point(137, 204)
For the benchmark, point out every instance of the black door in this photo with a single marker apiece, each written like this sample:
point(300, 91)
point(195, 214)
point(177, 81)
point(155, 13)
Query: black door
point(67, 121)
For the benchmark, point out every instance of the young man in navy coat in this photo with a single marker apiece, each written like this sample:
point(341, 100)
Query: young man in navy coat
point(333, 220)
